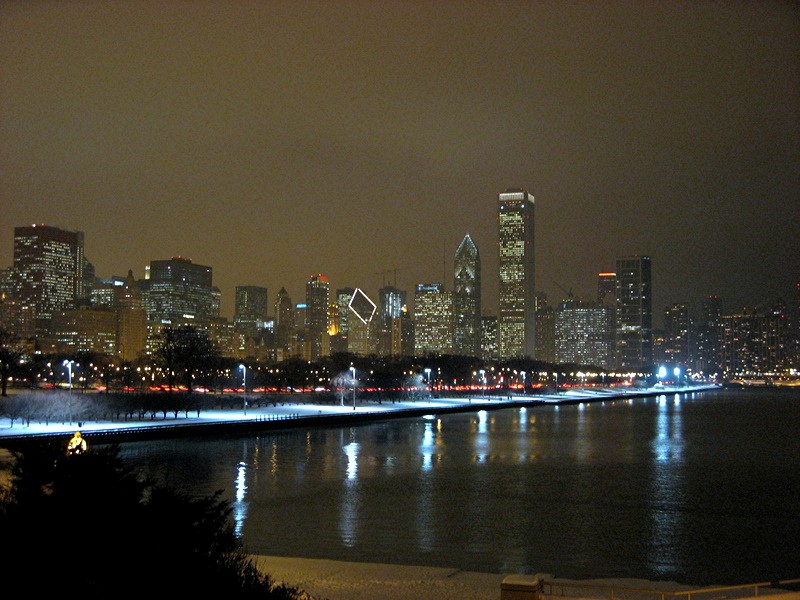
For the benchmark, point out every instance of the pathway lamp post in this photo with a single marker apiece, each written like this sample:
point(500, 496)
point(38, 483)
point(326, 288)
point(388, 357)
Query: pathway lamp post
point(68, 364)
point(244, 385)
point(524, 387)
point(353, 370)
point(428, 377)
point(662, 373)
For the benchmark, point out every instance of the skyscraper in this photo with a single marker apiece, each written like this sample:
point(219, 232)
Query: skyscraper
point(251, 308)
point(317, 299)
point(467, 299)
point(433, 320)
point(517, 315)
point(634, 313)
point(177, 291)
point(48, 271)
point(284, 324)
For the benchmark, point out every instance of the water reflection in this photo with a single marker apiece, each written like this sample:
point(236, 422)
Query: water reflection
point(348, 524)
point(667, 484)
point(481, 439)
point(424, 521)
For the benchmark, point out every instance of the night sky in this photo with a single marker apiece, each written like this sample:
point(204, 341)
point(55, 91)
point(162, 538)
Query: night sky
point(363, 140)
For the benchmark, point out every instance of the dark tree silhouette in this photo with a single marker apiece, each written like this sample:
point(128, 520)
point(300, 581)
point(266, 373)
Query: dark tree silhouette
point(185, 350)
point(11, 352)
point(87, 524)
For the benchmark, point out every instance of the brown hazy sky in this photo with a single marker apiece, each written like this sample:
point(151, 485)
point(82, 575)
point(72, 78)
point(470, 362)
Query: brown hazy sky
point(275, 140)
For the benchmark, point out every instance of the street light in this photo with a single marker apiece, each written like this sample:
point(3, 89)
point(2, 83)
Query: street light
point(244, 385)
point(428, 376)
point(483, 379)
point(524, 388)
point(353, 369)
point(68, 364)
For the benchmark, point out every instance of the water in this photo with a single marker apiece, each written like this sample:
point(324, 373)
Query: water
point(699, 488)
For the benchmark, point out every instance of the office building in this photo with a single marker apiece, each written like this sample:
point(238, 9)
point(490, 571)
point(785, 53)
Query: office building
point(676, 335)
point(131, 319)
point(362, 324)
point(755, 343)
point(47, 273)
point(634, 314)
point(489, 337)
point(284, 324)
point(251, 309)
point(392, 301)
point(581, 334)
point(317, 300)
point(467, 299)
point(433, 320)
point(516, 322)
point(179, 292)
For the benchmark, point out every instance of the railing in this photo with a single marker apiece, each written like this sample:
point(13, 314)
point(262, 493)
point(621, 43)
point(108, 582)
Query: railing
point(553, 588)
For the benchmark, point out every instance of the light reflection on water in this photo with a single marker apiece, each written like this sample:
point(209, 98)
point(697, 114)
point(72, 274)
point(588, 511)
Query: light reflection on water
point(661, 488)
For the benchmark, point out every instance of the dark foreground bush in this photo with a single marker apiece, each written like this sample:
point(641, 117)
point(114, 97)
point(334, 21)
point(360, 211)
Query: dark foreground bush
point(87, 525)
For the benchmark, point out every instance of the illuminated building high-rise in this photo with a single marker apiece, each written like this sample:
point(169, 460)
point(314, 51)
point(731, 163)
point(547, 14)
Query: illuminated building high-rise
point(48, 272)
point(517, 316)
point(433, 320)
point(467, 299)
point(317, 299)
point(179, 292)
point(676, 333)
point(581, 330)
point(634, 314)
point(392, 301)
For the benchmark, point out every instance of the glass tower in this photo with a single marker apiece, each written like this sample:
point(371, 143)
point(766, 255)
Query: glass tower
point(467, 299)
point(317, 300)
point(517, 315)
point(634, 314)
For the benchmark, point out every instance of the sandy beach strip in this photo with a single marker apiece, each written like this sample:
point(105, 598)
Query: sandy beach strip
point(340, 580)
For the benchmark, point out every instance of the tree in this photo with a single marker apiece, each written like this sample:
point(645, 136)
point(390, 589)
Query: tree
point(11, 353)
point(87, 522)
point(186, 350)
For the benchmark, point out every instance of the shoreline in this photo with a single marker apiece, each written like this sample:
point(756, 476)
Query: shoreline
point(300, 414)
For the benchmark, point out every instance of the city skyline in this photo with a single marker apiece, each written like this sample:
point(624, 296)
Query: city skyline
point(365, 140)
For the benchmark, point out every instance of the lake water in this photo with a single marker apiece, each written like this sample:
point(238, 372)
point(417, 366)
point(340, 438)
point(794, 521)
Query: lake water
point(699, 488)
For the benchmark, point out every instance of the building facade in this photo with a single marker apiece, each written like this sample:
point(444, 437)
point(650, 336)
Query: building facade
point(581, 334)
point(251, 308)
point(467, 299)
point(179, 292)
point(433, 320)
point(317, 300)
point(634, 314)
point(516, 323)
point(48, 273)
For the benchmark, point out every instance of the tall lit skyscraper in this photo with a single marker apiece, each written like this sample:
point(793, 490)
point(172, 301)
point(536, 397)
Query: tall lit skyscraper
point(467, 299)
point(676, 333)
point(48, 271)
point(317, 300)
point(177, 291)
point(517, 315)
point(634, 313)
point(433, 320)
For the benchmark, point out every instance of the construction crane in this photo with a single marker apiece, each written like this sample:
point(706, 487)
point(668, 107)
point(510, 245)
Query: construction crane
point(383, 276)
